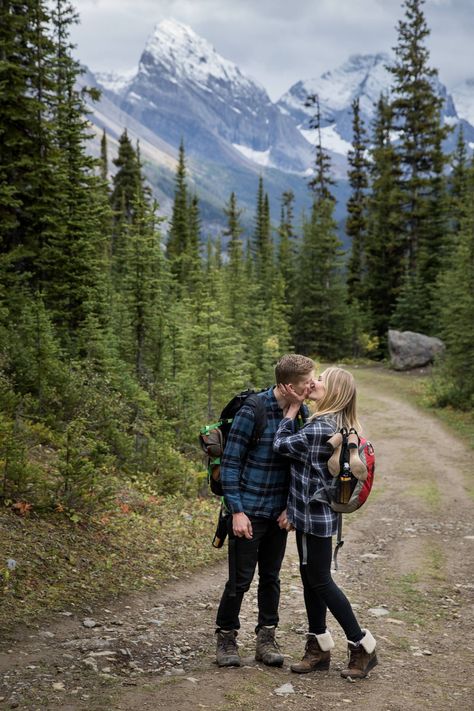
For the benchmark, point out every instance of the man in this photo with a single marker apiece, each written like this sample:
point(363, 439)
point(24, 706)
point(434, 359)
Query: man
point(255, 482)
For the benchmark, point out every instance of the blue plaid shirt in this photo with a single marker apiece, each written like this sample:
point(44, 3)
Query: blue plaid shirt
point(255, 479)
point(309, 452)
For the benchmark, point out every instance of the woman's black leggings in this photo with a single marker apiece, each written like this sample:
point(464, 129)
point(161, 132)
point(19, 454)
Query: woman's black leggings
point(320, 590)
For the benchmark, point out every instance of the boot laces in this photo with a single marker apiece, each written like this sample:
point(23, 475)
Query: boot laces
point(268, 637)
point(228, 642)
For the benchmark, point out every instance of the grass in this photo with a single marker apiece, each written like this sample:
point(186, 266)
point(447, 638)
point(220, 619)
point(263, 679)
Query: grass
point(428, 492)
point(61, 564)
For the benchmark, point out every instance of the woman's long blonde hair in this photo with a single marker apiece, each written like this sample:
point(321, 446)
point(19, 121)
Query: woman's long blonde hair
point(340, 398)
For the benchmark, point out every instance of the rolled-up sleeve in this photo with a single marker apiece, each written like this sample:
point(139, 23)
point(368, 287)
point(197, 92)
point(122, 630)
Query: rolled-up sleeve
point(235, 454)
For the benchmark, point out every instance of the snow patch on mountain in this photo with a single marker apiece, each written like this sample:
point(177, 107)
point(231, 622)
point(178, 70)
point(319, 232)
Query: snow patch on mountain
point(463, 96)
point(114, 81)
point(259, 157)
point(330, 139)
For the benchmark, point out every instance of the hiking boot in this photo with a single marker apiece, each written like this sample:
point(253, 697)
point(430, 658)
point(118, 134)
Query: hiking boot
point(317, 654)
point(267, 650)
point(333, 462)
point(227, 654)
point(362, 657)
point(356, 464)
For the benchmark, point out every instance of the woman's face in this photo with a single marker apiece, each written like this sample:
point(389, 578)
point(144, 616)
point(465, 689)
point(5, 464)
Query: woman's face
point(318, 389)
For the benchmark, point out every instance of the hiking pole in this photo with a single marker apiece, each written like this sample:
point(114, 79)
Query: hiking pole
point(339, 540)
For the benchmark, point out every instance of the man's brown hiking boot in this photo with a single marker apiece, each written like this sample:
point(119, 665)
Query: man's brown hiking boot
point(267, 650)
point(317, 654)
point(362, 657)
point(227, 654)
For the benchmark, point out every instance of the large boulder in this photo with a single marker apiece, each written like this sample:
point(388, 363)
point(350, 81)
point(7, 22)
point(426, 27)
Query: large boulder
point(412, 350)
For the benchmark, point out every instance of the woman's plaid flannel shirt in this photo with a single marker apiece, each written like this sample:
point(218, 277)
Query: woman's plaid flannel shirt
point(309, 452)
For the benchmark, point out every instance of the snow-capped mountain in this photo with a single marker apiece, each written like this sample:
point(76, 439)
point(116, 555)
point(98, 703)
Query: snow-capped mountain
point(184, 89)
point(364, 77)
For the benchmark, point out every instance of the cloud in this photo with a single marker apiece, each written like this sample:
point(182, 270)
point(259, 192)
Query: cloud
point(276, 41)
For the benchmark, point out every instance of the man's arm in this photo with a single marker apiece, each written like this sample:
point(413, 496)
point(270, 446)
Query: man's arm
point(233, 461)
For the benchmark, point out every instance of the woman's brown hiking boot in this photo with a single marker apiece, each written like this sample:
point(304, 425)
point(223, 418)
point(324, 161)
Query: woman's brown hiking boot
point(267, 650)
point(362, 657)
point(227, 653)
point(317, 654)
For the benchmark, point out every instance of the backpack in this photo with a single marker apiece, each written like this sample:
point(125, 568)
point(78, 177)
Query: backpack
point(348, 490)
point(213, 437)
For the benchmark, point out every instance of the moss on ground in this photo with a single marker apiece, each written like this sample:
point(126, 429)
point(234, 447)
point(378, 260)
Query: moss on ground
point(60, 563)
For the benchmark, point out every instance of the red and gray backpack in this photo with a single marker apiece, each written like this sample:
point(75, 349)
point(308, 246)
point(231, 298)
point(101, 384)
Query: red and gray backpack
point(350, 485)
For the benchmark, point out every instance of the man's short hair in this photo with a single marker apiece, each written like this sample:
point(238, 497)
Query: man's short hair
point(293, 367)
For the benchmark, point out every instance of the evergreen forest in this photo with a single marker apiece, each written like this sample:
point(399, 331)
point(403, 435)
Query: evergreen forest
point(120, 335)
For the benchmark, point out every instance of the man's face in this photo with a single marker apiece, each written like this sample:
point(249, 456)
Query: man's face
point(305, 384)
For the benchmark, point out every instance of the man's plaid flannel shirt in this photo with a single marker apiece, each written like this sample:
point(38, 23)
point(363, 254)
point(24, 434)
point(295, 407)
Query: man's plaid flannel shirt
point(255, 479)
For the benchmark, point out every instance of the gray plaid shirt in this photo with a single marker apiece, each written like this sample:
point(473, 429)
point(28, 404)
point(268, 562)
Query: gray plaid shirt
point(309, 452)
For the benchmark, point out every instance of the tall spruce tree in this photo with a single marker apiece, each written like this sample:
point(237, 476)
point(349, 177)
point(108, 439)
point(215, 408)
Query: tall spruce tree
point(455, 300)
point(416, 109)
point(73, 277)
point(178, 236)
point(237, 291)
point(29, 205)
point(287, 246)
point(322, 181)
point(458, 186)
point(385, 244)
point(320, 323)
point(356, 222)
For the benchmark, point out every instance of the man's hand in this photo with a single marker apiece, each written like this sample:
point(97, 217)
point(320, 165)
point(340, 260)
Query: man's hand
point(241, 525)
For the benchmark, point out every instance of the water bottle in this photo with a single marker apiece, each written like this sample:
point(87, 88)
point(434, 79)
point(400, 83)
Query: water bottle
point(345, 485)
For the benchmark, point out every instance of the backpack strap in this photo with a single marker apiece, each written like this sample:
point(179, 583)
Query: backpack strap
point(339, 540)
point(259, 410)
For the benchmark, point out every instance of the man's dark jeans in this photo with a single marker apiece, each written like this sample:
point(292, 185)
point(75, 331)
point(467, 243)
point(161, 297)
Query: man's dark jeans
point(267, 548)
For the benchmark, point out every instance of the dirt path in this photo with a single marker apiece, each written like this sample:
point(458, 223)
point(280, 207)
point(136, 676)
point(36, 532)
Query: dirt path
point(410, 553)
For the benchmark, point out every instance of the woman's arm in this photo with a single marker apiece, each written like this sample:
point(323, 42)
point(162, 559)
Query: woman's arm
point(290, 444)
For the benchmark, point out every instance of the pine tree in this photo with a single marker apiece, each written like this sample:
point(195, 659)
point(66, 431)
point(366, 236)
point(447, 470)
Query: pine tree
point(385, 245)
point(356, 222)
point(321, 312)
point(320, 324)
point(262, 242)
point(458, 184)
point(104, 161)
point(71, 261)
point(178, 236)
point(235, 269)
point(322, 181)
point(455, 297)
point(417, 120)
point(287, 246)
point(29, 194)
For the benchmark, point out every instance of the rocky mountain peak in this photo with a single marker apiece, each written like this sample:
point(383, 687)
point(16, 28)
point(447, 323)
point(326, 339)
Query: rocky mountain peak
point(184, 54)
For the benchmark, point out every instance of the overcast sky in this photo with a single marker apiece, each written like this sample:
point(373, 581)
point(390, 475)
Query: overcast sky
point(277, 42)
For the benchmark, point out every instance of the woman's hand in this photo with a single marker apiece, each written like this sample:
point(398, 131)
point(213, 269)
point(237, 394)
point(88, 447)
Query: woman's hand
point(283, 522)
point(293, 399)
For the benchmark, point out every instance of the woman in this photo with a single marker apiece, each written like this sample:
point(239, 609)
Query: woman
point(334, 395)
